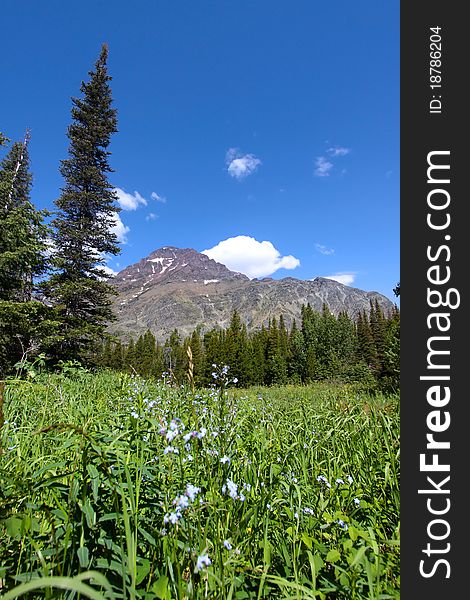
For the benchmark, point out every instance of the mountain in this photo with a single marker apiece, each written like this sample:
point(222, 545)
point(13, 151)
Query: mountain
point(181, 288)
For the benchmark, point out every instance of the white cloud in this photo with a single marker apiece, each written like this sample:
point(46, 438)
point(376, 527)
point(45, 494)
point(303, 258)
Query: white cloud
point(324, 250)
point(158, 198)
point(246, 255)
point(129, 201)
point(151, 217)
point(108, 270)
point(338, 151)
point(50, 247)
point(240, 165)
point(344, 278)
point(322, 166)
point(119, 229)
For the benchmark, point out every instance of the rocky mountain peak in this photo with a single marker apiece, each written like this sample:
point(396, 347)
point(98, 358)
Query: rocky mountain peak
point(170, 264)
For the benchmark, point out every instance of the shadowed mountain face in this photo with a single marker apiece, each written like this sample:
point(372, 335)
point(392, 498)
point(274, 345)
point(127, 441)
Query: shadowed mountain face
point(180, 289)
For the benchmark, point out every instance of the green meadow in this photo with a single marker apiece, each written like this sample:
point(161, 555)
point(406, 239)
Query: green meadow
point(112, 486)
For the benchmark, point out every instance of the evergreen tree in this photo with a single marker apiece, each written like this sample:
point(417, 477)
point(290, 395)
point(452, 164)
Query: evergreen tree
point(105, 358)
point(118, 359)
point(326, 345)
point(259, 343)
point(86, 213)
point(391, 361)
point(296, 362)
point(22, 232)
point(378, 325)
point(214, 353)
point(129, 358)
point(276, 365)
point(237, 351)
point(25, 322)
point(284, 349)
point(310, 330)
point(148, 360)
point(144, 357)
point(159, 364)
point(347, 345)
point(367, 352)
point(144, 354)
point(139, 351)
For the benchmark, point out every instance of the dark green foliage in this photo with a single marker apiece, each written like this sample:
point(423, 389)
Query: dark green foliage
point(145, 354)
point(367, 351)
point(22, 232)
point(82, 228)
point(296, 363)
point(22, 260)
point(117, 357)
point(26, 330)
point(258, 359)
point(391, 360)
point(325, 348)
point(310, 330)
point(276, 354)
point(214, 352)
point(130, 360)
point(237, 351)
point(378, 327)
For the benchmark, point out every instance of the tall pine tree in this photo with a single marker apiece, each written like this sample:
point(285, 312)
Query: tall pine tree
point(22, 232)
point(24, 321)
point(86, 214)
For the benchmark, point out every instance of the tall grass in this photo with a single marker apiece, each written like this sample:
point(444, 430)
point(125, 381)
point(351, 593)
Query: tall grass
point(115, 487)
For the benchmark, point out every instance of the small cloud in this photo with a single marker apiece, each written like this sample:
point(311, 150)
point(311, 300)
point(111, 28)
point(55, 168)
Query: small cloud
point(344, 278)
point(151, 217)
point(245, 254)
point(119, 229)
point(338, 151)
point(158, 198)
point(50, 247)
point(129, 201)
point(322, 167)
point(108, 270)
point(324, 250)
point(240, 166)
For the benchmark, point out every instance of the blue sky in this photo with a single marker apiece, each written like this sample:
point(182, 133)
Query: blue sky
point(265, 133)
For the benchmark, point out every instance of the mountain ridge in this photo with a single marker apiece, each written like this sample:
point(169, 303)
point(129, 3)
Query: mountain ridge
point(180, 288)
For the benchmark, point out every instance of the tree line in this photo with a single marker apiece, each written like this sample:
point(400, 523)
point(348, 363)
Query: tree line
point(320, 347)
point(54, 295)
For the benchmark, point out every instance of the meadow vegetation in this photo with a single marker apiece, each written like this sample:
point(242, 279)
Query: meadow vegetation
point(114, 486)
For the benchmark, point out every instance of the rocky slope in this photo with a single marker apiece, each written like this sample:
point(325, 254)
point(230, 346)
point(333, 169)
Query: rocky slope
point(181, 288)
